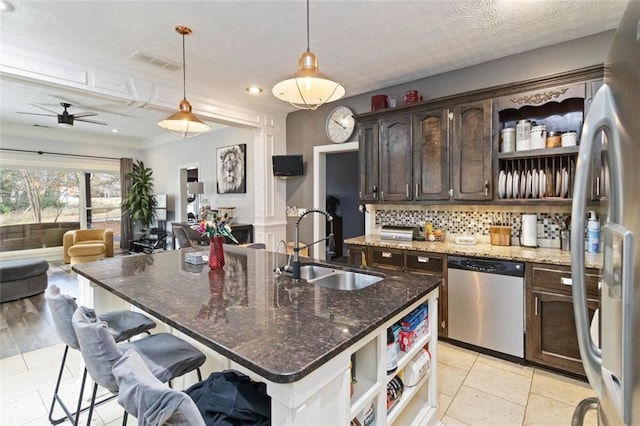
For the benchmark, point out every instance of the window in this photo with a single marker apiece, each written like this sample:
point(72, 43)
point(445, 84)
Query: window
point(103, 201)
point(38, 206)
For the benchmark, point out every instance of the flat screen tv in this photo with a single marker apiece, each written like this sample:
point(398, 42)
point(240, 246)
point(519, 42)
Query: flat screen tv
point(287, 165)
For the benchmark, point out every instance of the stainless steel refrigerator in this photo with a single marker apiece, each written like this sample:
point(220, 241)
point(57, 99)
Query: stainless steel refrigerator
point(613, 368)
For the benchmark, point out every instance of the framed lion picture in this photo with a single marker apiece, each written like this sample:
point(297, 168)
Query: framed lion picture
point(232, 169)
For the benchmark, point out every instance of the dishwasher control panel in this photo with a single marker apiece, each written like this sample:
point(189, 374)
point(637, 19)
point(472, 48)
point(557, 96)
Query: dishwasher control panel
point(490, 266)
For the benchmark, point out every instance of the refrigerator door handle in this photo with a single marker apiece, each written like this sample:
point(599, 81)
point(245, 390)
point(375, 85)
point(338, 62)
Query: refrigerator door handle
point(598, 119)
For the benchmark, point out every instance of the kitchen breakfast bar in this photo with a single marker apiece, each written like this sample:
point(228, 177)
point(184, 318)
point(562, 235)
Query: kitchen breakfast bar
point(321, 351)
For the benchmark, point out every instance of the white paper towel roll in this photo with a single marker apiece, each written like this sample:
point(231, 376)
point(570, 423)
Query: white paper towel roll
point(529, 230)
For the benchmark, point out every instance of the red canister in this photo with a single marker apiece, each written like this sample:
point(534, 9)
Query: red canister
point(379, 102)
point(411, 96)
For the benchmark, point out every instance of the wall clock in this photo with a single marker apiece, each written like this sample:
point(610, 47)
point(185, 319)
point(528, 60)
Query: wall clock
point(340, 124)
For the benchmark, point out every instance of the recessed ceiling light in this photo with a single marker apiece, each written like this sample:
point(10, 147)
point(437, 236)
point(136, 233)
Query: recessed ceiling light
point(254, 90)
point(114, 130)
point(5, 6)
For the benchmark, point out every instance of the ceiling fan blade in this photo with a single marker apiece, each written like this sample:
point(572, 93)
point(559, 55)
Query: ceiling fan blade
point(36, 113)
point(85, 114)
point(90, 121)
point(46, 109)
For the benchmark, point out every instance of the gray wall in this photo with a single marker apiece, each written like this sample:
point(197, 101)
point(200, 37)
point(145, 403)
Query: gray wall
point(305, 129)
point(200, 152)
point(342, 183)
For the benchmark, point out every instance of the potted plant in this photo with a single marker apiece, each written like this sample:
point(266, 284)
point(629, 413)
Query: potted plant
point(139, 202)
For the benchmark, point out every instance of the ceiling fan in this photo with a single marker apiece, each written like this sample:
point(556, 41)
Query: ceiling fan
point(65, 119)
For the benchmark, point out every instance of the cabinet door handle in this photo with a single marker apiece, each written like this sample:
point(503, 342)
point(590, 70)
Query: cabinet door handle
point(407, 188)
point(451, 193)
point(535, 309)
point(417, 189)
point(486, 188)
point(566, 281)
point(386, 254)
point(423, 259)
point(382, 195)
point(597, 186)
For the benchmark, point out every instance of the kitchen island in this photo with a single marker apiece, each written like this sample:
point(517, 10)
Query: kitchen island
point(298, 338)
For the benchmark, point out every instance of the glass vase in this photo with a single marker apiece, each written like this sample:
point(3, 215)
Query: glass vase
point(216, 253)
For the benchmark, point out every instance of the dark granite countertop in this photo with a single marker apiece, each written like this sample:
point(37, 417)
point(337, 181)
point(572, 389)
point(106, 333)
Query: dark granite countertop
point(280, 330)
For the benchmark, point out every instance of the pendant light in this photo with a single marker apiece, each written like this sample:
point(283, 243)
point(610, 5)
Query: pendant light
point(184, 123)
point(308, 88)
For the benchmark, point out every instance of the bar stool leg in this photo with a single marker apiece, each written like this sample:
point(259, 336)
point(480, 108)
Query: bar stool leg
point(55, 394)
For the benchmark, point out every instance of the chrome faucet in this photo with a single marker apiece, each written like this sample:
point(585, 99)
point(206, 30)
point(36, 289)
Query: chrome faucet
point(296, 240)
point(286, 267)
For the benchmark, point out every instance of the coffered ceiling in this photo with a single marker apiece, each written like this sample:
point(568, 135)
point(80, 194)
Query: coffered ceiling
point(365, 44)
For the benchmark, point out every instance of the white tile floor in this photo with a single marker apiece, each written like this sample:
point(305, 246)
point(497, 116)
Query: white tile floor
point(474, 389)
point(27, 383)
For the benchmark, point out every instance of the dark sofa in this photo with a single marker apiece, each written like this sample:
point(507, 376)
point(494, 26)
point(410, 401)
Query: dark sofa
point(22, 278)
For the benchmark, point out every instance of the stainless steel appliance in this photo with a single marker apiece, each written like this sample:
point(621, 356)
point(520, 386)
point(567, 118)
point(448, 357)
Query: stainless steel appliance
point(486, 303)
point(613, 369)
point(399, 233)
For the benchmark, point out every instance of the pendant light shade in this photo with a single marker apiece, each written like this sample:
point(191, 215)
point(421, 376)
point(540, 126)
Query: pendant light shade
point(184, 123)
point(308, 88)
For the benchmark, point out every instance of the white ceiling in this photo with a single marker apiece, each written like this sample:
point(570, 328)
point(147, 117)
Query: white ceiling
point(365, 44)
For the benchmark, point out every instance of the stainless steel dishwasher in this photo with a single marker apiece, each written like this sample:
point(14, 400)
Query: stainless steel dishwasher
point(486, 303)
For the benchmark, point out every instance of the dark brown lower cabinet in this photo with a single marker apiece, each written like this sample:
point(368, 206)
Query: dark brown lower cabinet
point(551, 338)
point(357, 255)
point(416, 262)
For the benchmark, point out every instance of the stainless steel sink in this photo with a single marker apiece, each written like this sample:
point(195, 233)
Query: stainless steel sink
point(311, 272)
point(345, 280)
point(338, 279)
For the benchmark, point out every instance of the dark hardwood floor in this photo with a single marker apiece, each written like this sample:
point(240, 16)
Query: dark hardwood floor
point(25, 324)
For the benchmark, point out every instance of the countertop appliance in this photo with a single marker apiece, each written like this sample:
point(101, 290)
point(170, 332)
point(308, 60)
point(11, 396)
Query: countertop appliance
point(486, 303)
point(613, 369)
point(399, 233)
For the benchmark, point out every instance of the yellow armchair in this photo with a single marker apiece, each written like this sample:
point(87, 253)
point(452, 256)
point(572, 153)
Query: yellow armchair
point(87, 245)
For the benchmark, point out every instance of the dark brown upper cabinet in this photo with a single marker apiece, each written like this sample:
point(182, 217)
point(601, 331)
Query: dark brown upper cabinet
point(368, 136)
point(448, 149)
point(471, 145)
point(431, 155)
point(395, 158)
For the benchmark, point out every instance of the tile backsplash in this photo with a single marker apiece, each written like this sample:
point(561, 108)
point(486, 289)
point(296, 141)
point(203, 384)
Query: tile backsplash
point(474, 220)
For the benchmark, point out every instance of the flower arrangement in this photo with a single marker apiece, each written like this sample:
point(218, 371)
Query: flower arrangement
point(215, 228)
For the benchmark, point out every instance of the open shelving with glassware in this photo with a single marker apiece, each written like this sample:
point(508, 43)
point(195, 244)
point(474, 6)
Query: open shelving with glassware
point(559, 109)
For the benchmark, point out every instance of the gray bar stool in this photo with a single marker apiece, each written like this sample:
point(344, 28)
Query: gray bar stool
point(122, 325)
point(150, 401)
point(166, 355)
